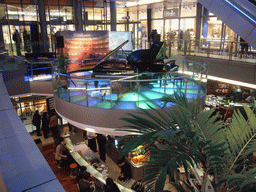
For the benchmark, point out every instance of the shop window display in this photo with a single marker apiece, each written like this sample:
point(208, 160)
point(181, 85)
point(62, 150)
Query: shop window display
point(188, 23)
point(120, 27)
point(14, 11)
point(188, 9)
point(171, 29)
point(158, 25)
point(133, 15)
point(26, 107)
point(121, 15)
point(143, 14)
point(157, 13)
point(63, 13)
point(29, 13)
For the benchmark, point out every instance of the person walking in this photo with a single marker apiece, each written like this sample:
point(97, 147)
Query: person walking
point(37, 120)
point(45, 124)
point(102, 146)
point(16, 38)
point(54, 123)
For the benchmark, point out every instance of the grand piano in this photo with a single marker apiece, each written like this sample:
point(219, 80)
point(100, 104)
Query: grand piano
point(143, 60)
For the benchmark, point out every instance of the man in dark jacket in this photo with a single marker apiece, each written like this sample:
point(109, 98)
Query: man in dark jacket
point(102, 146)
point(37, 119)
point(16, 38)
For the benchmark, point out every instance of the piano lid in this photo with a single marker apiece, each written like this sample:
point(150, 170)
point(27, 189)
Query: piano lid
point(145, 56)
point(112, 52)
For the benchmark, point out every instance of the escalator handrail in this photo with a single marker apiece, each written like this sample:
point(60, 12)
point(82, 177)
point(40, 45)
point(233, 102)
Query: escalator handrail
point(245, 8)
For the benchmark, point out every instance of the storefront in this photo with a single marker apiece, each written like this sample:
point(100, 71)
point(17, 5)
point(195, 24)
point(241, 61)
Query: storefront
point(172, 17)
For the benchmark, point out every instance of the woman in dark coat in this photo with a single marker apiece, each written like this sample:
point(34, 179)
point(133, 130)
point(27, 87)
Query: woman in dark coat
point(45, 124)
point(111, 186)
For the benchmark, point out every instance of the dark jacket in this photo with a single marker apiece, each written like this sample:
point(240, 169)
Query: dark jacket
point(84, 186)
point(16, 37)
point(112, 188)
point(37, 118)
point(45, 123)
point(126, 170)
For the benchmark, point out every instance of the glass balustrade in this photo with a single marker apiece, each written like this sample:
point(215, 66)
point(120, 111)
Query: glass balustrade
point(143, 90)
point(210, 48)
point(8, 62)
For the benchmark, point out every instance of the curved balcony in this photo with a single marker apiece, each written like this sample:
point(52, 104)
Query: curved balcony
point(99, 102)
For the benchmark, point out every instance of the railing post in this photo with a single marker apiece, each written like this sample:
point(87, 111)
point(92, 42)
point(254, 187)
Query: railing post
point(209, 49)
point(186, 86)
point(31, 67)
point(199, 88)
point(68, 95)
point(58, 84)
point(86, 93)
point(185, 47)
point(189, 47)
point(138, 85)
point(231, 51)
point(68, 79)
point(183, 62)
point(111, 87)
point(164, 84)
point(170, 48)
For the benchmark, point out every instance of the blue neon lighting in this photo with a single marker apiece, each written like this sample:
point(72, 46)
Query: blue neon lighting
point(240, 11)
point(39, 68)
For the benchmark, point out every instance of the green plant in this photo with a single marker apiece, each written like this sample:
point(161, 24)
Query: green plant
point(63, 62)
point(193, 137)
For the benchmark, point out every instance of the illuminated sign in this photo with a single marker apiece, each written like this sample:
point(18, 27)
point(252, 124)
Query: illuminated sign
point(168, 13)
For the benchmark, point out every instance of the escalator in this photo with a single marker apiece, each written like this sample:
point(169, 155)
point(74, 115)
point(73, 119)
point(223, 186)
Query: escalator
point(239, 15)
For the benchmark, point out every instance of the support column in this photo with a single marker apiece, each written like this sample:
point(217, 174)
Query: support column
point(205, 23)
point(127, 21)
point(113, 15)
point(77, 10)
point(199, 10)
point(149, 19)
point(43, 26)
point(1, 38)
point(79, 15)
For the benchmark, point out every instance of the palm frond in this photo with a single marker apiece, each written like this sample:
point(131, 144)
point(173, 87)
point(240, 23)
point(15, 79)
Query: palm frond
point(159, 185)
point(246, 183)
point(234, 179)
point(243, 133)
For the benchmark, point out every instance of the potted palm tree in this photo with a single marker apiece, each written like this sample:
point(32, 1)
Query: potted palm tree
point(197, 141)
point(63, 64)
